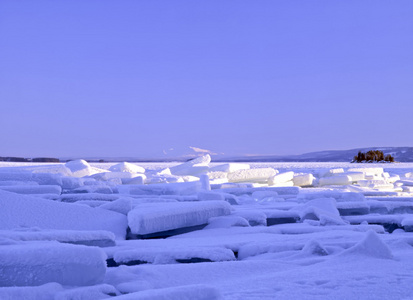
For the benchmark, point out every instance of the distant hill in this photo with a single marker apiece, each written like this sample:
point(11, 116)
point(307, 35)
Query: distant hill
point(400, 154)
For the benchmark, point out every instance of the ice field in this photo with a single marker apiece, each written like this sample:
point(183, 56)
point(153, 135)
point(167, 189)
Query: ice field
point(204, 230)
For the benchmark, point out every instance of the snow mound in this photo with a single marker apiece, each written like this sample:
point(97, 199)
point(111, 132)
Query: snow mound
point(79, 168)
point(37, 263)
point(127, 167)
point(371, 246)
point(314, 248)
point(152, 218)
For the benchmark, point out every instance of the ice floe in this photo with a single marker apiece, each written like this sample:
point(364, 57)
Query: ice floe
point(205, 230)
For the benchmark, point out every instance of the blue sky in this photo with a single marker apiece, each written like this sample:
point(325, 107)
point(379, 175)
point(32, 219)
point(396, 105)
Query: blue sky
point(131, 78)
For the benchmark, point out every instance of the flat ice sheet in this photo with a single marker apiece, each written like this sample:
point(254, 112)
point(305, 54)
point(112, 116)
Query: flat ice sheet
point(26, 211)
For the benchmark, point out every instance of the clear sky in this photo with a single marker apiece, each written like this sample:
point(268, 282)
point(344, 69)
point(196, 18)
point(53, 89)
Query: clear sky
point(131, 78)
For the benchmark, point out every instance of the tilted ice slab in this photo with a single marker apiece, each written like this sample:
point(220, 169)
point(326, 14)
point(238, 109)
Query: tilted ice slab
point(303, 180)
point(122, 205)
point(152, 218)
point(37, 263)
point(192, 167)
point(281, 178)
point(26, 211)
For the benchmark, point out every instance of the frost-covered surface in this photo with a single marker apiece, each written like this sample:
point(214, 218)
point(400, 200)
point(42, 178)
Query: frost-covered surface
point(36, 263)
point(19, 211)
point(151, 218)
point(235, 231)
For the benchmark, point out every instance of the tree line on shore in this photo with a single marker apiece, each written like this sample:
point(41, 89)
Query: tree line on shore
point(372, 156)
point(22, 159)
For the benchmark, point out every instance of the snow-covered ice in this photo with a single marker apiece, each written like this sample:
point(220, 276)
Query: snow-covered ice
point(150, 218)
point(204, 230)
point(19, 211)
point(36, 263)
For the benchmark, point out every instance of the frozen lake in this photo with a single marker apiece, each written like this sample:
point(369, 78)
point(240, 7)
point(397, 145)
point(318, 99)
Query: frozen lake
point(204, 230)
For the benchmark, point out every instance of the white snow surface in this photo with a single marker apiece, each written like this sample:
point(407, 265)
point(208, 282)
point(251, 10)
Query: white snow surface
point(345, 231)
point(37, 263)
point(19, 211)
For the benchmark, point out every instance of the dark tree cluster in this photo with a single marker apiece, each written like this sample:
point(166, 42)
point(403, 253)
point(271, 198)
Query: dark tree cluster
point(372, 156)
point(22, 159)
